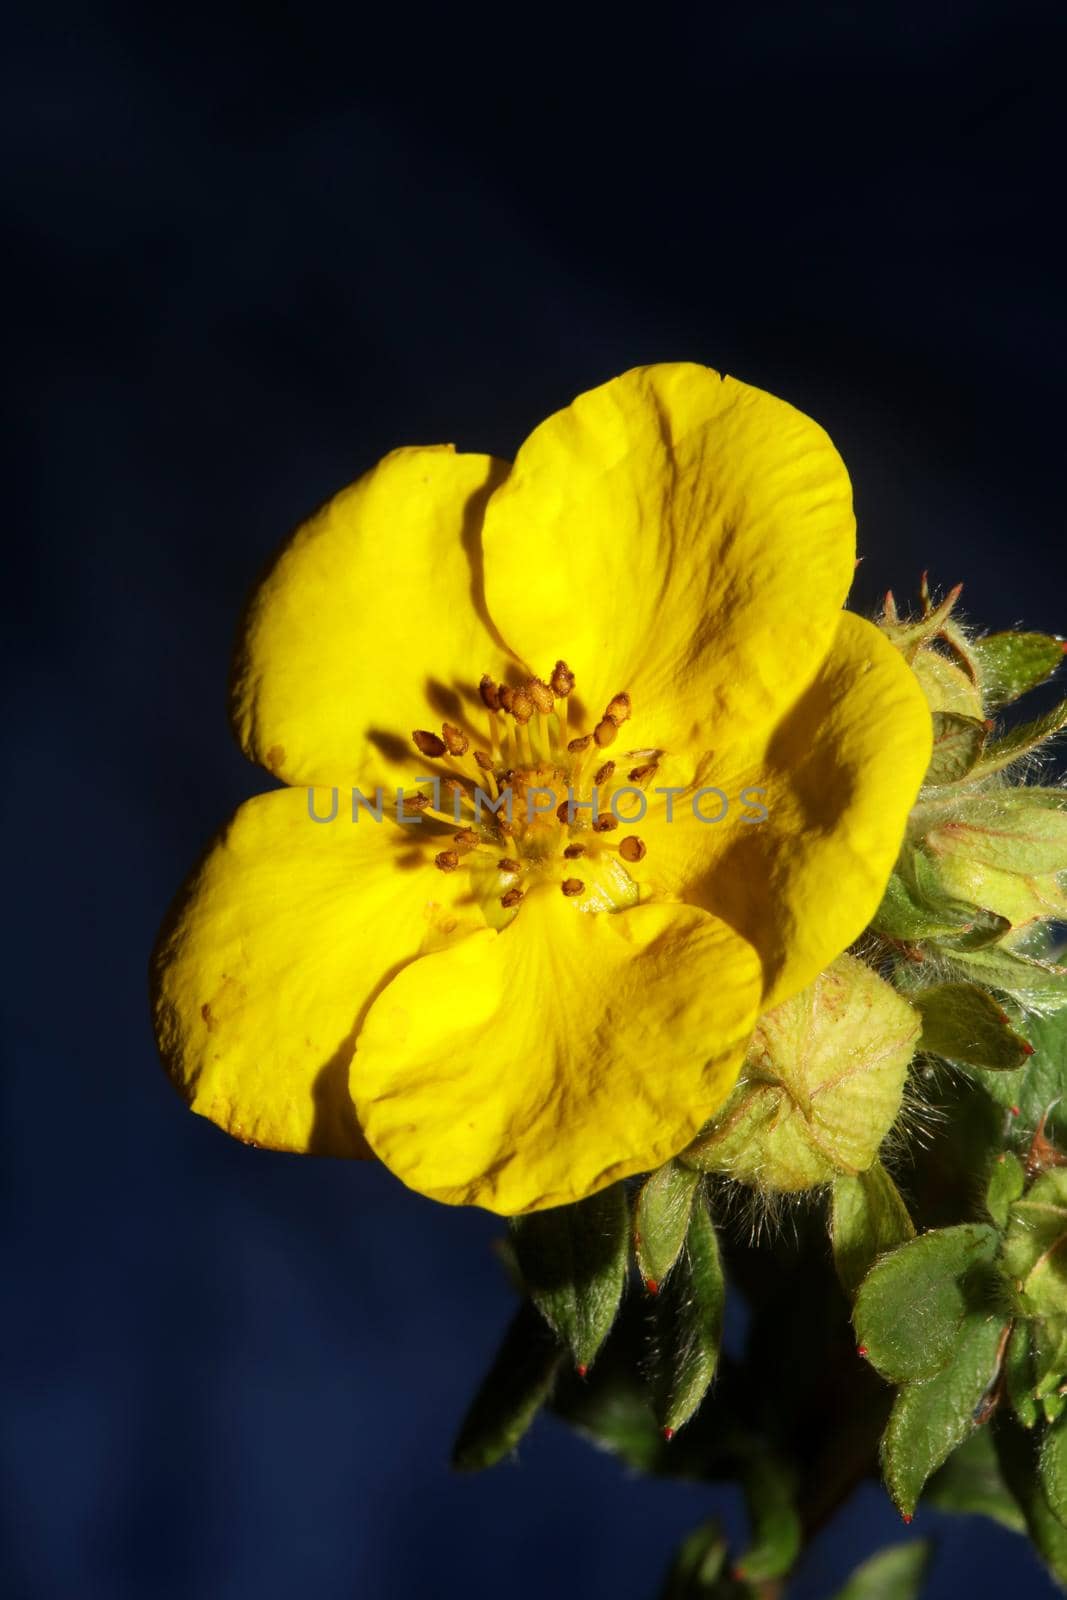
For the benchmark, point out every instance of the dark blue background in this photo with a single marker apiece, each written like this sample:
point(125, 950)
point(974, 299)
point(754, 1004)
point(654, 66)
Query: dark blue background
point(249, 256)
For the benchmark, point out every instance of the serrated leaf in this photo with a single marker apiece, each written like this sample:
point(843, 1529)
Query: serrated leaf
point(1019, 1374)
point(573, 1261)
point(913, 1303)
point(1000, 753)
point(895, 1573)
point(1039, 1089)
point(961, 1022)
point(930, 1418)
point(1006, 1184)
point(958, 743)
point(1052, 1469)
point(1017, 1453)
point(868, 1217)
point(970, 1483)
point(777, 1534)
point(1035, 1245)
point(698, 1569)
point(1007, 831)
point(688, 1324)
point(1010, 664)
point(661, 1218)
point(513, 1391)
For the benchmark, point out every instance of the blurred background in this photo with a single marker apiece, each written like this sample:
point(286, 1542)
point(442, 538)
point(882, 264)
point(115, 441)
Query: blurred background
point(246, 256)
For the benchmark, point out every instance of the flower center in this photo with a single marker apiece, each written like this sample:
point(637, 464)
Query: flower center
point(542, 804)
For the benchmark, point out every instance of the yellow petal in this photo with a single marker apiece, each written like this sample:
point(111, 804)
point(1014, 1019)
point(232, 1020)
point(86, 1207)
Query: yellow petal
point(679, 536)
point(275, 949)
point(370, 624)
point(838, 774)
point(532, 1067)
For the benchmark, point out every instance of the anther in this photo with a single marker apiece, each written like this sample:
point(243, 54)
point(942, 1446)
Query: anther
point(467, 836)
point(456, 743)
point(602, 774)
point(505, 696)
point(574, 851)
point(416, 802)
point(576, 746)
point(428, 743)
point(522, 705)
point(508, 864)
point(572, 886)
point(605, 732)
point(563, 813)
point(490, 693)
point(605, 824)
point(510, 899)
point(562, 680)
point(447, 860)
point(639, 774)
point(540, 694)
point(484, 761)
point(632, 848)
point(619, 709)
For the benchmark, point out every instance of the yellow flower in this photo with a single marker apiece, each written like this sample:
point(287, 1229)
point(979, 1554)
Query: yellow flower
point(516, 1019)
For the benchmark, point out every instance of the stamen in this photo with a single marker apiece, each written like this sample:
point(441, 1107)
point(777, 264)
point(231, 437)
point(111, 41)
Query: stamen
point(619, 709)
point(447, 860)
point(639, 774)
point(605, 732)
point(576, 746)
point(428, 743)
point(512, 898)
point(506, 696)
point(632, 848)
point(562, 680)
point(522, 706)
point(572, 886)
point(416, 802)
point(456, 742)
point(605, 824)
point(541, 695)
point(468, 836)
point(602, 774)
point(490, 693)
point(573, 851)
point(484, 761)
point(507, 864)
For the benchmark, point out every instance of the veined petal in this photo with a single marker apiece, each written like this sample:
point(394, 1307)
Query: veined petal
point(838, 776)
point(273, 952)
point(371, 623)
point(532, 1067)
point(679, 536)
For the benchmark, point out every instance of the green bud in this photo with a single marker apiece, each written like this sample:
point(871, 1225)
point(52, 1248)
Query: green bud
point(820, 1088)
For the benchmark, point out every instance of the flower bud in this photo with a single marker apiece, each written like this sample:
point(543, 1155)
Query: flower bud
point(820, 1088)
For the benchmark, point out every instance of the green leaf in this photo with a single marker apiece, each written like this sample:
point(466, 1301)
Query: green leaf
point(1015, 974)
point(512, 1393)
point(688, 1325)
point(1007, 830)
point(868, 1217)
point(698, 1570)
point(1035, 1245)
point(970, 1482)
point(963, 1023)
point(777, 1534)
point(895, 1573)
point(1018, 1455)
point(929, 1419)
point(1021, 741)
point(1019, 1375)
point(1038, 1089)
point(903, 916)
point(573, 1261)
point(913, 1303)
point(1050, 1354)
point(661, 1217)
point(1010, 664)
point(962, 925)
point(1006, 1184)
point(958, 743)
point(1052, 1469)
